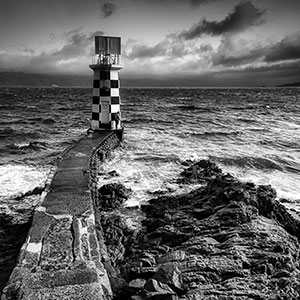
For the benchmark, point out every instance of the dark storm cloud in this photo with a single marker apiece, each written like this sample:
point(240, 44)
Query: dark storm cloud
point(229, 61)
point(137, 50)
point(108, 9)
point(233, 52)
point(244, 15)
point(192, 2)
point(288, 48)
point(169, 48)
point(142, 51)
point(200, 2)
point(283, 72)
point(78, 44)
point(205, 48)
point(229, 54)
point(68, 58)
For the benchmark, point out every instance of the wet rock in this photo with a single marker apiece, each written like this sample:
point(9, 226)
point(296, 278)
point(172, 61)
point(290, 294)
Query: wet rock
point(156, 290)
point(14, 226)
point(137, 297)
point(113, 173)
point(117, 236)
point(143, 272)
point(119, 287)
point(199, 172)
point(36, 191)
point(170, 274)
point(148, 260)
point(224, 240)
point(112, 196)
point(137, 285)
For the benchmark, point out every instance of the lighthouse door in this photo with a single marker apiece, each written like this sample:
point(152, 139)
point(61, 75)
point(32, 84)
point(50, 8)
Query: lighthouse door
point(105, 112)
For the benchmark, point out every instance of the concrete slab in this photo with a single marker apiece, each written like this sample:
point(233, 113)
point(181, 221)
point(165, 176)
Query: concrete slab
point(66, 202)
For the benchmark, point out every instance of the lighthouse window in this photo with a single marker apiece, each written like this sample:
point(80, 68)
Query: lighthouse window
point(104, 75)
point(104, 92)
point(114, 84)
point(115, 100)
point(105, 83)
point(96, 100)
point(95, 116)
point(96, 84)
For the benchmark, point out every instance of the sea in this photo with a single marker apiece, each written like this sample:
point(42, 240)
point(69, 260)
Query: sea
point(251, 133)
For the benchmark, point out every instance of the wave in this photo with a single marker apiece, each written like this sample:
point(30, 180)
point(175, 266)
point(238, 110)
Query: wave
point(194, 107)
point(281, 144)
point(36, 191)
point(27, 146)
point(217, 133)
point(16, 133)
point(19, 179)
point(290, 165)
point(6, 131)
point(140, 120)
point(47, 120)
point(160, 158)
point(10, 121)
point(259, 129)
point(255, 106)
point(250, 162)
point(246, 120)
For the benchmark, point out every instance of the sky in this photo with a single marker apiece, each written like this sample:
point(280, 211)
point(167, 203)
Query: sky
point(205, 42)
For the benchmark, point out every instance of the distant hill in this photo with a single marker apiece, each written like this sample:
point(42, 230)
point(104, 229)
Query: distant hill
point(25, 79)
point(290, 84)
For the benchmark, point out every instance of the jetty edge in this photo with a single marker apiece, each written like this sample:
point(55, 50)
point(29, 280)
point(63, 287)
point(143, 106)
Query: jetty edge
point(61, 258)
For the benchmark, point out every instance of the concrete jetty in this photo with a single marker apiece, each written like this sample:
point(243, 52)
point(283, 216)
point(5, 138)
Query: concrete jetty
point(61, 258)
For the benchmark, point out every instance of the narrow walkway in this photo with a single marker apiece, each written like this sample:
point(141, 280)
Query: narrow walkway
point(61, 258)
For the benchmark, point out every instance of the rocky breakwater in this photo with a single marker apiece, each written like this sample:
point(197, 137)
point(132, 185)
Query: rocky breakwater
point(224, 240)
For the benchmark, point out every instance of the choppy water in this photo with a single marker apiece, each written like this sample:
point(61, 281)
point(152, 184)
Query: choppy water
point(252, 133)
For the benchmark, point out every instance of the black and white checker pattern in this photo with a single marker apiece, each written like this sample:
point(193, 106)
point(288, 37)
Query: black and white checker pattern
point(106, 97)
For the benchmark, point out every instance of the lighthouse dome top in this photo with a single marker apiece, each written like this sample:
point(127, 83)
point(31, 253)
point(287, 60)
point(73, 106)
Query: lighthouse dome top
point(107, 51)
point(107, 45)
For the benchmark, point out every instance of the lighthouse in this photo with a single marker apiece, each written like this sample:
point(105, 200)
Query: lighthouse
point(106, 105)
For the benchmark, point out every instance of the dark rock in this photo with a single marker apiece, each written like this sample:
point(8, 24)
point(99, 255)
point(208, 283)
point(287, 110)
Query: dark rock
point(136, 285)
point(148, 260)
point(119, 287)
point(224, 240)
point(117, 236)
point(113, 173)
point(112, 196)
point(170, 274)
point(143, 272)
point(154, 289)
point(199, 172)
point(14, 227)
point(36, 191)
point(137, 297)
point(173, 256)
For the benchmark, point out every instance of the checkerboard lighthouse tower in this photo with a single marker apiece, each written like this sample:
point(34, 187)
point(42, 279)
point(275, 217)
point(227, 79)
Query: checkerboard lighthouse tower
point(106, 107)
